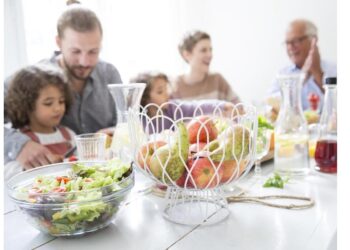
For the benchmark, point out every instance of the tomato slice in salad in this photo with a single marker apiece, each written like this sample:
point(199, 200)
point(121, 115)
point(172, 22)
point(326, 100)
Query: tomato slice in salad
point(65, 179)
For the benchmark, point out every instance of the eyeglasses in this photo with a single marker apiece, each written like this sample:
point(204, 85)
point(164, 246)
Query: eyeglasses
point(296, 41)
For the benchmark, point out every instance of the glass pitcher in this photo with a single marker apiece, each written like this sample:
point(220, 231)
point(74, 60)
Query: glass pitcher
point(127, 98)
point(291, 130)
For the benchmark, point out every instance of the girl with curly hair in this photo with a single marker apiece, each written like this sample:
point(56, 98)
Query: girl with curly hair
point(37, 99)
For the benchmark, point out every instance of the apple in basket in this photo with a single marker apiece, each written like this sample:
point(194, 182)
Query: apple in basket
point(146, 152)
point(183, 181)
point(204, 173)
point(202, 127)
point(229, 168)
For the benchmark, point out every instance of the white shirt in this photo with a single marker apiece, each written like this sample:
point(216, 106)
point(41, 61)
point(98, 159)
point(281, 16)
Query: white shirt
point(310, 86)
point(55, 137)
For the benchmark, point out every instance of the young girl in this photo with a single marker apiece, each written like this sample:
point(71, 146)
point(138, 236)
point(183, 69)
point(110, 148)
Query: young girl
point(199, 83)
point(157, 92)
point(36, 101)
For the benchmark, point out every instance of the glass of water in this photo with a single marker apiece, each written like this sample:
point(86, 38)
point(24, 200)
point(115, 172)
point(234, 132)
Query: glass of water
point(91, 147)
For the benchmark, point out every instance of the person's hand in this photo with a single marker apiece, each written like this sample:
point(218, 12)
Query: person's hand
point(34, 155)
point(312, 62)
point(274, 104)
point(312, 65)
point(109, 132)
point(231, 110)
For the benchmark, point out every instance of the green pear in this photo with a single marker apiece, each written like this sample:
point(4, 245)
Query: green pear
point(232, 143)
point(221, 124)
point(172, 159)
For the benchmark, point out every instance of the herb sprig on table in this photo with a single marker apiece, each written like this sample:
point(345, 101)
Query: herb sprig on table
point(276, 181)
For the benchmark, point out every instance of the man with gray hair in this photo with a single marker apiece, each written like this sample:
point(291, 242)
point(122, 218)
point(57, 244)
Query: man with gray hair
point(301, 44)
point(79, 38)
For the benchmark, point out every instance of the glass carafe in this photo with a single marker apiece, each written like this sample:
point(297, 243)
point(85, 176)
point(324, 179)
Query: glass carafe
point(127, 98)
point(291, 130)
point(326, 147)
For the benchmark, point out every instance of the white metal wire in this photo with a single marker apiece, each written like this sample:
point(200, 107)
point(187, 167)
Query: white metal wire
point(194, 179)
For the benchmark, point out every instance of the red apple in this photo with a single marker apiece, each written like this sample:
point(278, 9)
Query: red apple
point(203, 173)
point(146, 152)
point(204, 127)
point(229, 168)
point(181, 182)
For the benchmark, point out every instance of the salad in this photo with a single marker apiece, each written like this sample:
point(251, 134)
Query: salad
point(84, 198)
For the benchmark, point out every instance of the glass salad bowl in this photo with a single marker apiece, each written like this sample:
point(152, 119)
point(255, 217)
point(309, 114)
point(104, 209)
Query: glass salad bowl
point(72, 198)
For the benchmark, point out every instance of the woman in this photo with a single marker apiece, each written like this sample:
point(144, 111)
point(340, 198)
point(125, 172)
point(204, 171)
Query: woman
point(199, 83)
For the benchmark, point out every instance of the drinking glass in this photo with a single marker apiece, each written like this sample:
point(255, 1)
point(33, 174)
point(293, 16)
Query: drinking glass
point(91, 147)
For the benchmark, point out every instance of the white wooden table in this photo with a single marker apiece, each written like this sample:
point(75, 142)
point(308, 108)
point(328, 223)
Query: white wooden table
point(140, 224)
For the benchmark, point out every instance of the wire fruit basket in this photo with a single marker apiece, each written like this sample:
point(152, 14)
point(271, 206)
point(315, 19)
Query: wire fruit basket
point(195, 154)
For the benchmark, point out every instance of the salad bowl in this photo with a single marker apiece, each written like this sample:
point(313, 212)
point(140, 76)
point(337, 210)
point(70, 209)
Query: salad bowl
point(72, 198)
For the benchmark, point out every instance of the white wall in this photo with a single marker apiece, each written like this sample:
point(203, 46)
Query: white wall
point(15, 54)
point(247, 36)
point(142, 35)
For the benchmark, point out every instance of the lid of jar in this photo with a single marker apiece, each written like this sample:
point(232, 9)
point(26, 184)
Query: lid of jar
point(331, 80)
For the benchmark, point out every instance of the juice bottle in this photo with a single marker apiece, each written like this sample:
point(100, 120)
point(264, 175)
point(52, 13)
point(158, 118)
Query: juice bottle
point(326, 147)
point(326, 156)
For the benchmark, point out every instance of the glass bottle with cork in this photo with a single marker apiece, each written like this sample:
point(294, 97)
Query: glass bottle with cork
point(326, 147)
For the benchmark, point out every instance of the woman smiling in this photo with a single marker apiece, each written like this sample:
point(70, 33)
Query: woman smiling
point(199, 83)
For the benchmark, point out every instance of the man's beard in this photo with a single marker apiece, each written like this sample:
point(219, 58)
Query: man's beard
point(71, 71)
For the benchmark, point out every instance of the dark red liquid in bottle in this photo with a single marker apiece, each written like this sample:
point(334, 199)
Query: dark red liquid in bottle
point(326, 156)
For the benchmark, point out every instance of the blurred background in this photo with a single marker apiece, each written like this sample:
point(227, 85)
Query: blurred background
point(247, 36)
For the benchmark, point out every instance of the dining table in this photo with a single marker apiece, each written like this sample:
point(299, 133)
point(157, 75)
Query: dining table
point(140, 223)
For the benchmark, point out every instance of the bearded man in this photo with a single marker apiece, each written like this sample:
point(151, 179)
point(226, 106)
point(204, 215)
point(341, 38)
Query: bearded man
point(79, 38)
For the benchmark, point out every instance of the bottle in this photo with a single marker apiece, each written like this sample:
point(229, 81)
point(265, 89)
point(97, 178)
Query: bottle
point(291, 131)
point(326, 147)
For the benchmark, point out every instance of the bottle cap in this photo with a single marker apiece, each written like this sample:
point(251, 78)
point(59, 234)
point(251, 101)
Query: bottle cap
point(331, 80)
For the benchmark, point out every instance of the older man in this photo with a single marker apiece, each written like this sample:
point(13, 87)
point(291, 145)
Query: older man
point(79, 40)
point(301, 44)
